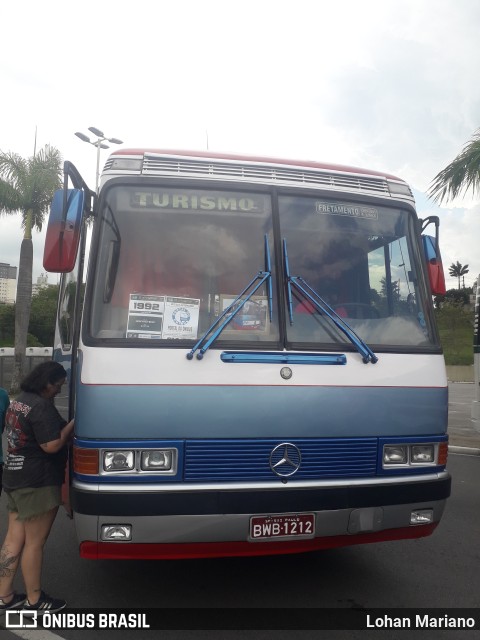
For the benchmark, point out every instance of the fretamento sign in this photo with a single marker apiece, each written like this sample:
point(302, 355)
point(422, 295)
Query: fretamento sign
point(353, 211)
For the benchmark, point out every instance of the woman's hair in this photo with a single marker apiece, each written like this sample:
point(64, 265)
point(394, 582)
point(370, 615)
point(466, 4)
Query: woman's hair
point(42, 375)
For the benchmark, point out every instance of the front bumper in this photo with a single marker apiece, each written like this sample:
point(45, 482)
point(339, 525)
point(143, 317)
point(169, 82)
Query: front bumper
point(184, 522)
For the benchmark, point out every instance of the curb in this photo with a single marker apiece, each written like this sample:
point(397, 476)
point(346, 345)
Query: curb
point(469, 451)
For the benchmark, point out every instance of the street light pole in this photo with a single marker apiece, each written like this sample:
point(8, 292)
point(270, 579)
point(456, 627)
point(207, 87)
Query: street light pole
point(98, 143)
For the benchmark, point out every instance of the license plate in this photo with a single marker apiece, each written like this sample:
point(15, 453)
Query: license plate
point(290, 526)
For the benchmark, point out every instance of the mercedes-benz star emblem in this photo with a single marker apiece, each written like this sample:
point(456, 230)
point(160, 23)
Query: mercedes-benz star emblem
point(285, 459)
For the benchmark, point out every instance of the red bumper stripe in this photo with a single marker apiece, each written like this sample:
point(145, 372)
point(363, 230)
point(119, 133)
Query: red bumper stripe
point(135, 551)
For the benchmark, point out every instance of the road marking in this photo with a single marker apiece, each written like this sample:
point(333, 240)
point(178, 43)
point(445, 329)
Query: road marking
point(35, 634)
point(29, 634)
point(463, 451)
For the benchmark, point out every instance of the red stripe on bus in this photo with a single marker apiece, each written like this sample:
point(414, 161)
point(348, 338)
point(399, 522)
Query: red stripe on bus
point(168, 551)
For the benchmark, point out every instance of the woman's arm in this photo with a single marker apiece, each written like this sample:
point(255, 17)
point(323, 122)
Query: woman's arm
point(55, 445)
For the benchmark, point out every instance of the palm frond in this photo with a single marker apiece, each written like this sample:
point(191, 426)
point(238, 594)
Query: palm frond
point(462, 174)
point(10, 202)
point(28, 185)
point(13, 168)
point(45, 171)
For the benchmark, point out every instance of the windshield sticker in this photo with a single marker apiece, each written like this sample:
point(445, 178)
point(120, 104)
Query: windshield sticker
point(145, 316)
point(162, 317)
point(181, 317)
point(251, 317)
point(352, 211)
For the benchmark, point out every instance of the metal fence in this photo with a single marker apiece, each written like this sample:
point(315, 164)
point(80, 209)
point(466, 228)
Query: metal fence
point(33, 356)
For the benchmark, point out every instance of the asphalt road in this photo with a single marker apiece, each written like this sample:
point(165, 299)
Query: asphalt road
point(460, 430)
point(440, 571)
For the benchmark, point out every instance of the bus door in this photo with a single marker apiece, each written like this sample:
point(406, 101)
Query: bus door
point(64, 253)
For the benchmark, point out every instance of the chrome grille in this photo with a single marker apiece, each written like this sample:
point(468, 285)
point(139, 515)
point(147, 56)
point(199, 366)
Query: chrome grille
point(263, 173)
point(248, 460)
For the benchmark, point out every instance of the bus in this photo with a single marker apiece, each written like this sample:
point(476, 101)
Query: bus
point(476, 359)
point(254, 365)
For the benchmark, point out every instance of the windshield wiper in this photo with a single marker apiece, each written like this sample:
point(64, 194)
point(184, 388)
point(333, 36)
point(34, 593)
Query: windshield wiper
point(319, 303)
point(231, 311)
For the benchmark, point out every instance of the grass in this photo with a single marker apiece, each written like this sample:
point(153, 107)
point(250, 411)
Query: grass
point(455, 325)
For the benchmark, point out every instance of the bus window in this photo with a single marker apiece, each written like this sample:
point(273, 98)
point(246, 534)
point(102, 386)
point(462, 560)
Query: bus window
point(392, 281)
point(362, 261)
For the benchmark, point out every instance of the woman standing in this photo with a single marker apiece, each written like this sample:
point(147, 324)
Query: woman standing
point(34, 471)
point(4, 402)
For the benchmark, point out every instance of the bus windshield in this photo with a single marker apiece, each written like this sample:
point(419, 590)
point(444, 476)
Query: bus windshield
point(169, 261)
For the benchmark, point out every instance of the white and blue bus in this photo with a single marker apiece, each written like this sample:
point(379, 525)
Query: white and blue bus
point(254, 362)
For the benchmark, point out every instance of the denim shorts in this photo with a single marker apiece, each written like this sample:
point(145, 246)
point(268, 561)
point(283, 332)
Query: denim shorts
point(32, 502)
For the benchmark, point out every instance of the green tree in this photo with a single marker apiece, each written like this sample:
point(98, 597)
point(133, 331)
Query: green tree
point(7, 325)
point(461, 174)
point(43, 314)
point(455, 324)
point(459, 297)
point(457, 270)
point(27, 186)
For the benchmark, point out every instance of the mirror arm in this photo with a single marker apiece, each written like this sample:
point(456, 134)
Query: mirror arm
point(431, 220)
point(70, 171)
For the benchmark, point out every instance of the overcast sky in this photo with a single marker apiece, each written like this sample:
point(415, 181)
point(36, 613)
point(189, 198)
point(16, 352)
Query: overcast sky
point(390, 85)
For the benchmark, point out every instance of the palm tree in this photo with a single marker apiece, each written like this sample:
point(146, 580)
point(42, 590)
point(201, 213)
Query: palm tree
point(27, 186)
point(458, 270)
point(462, 173)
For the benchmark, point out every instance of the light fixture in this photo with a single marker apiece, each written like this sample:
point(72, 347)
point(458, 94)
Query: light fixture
point(99, 143)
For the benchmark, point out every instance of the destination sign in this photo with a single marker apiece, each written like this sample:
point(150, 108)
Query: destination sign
point(200, 201)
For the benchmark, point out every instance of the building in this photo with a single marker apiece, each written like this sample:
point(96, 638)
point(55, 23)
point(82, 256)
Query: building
point(8, 283)
point(42, 283)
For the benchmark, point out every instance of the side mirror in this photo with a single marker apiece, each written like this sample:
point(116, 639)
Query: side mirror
point(434, 265)
point(64, 230)
point(431, 249)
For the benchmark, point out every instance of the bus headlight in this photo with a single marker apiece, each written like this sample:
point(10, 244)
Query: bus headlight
point(116, 532)
point(423, 454)
point(421, 516)
point(160, 459)
point(118, 460)
point(395, 454)
point(420, 454)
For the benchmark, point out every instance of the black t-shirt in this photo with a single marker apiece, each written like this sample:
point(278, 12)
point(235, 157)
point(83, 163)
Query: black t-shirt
point(31, 421)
